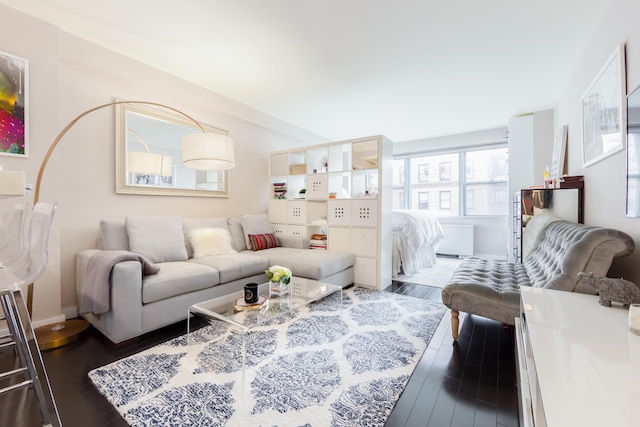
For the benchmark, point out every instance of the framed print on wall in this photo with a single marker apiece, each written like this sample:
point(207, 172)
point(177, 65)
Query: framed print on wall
point(604, 111)
point(14, 112)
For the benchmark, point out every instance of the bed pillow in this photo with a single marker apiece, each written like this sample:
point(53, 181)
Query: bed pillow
point(255, 224)
point(158, 238)
point(262, 241)
point(210, 241)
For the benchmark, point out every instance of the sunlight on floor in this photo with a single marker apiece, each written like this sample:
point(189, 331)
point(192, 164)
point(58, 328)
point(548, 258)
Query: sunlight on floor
point(436, 276)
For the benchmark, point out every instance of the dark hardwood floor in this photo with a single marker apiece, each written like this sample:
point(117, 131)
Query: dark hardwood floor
point(469, 384)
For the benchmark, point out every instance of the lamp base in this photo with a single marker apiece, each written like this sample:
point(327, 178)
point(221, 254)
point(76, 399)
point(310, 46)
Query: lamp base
point(60, 334)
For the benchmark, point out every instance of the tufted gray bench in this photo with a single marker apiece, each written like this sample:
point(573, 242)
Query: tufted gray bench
point(556, 253)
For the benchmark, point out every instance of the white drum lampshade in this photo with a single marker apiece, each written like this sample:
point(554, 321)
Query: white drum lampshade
point(207, 151)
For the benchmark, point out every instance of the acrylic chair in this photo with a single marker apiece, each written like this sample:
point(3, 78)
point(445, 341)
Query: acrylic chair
point(12, 233)
point(13, 277)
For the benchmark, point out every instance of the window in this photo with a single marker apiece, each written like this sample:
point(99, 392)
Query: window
point(445, 171)
point(423, 200)
point(445, 200)
point(423, 173)
point(472, 182)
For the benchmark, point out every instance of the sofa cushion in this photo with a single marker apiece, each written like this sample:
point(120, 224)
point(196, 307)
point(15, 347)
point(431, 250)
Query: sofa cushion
point(235, 266)
point(190, 224)
point(255, 224)
point(159, 238)
point(113, 235)
point(210, 241)
point(177, 278)
point(262, 241)
point(237, 234)
point(312, 264)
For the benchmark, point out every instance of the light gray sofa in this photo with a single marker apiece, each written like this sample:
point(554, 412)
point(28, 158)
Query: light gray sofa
point(554, 252)
point(138, 303)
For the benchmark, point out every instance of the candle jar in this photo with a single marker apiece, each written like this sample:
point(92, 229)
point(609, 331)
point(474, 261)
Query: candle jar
point(634, 318)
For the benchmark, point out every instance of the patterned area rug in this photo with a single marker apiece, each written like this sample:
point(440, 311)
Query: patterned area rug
point(310, 368)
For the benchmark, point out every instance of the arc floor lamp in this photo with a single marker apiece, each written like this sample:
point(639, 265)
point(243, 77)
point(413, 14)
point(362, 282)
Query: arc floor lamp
point(201, 151)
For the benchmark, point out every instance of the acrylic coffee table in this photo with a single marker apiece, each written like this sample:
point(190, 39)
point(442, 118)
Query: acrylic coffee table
point(301, 292)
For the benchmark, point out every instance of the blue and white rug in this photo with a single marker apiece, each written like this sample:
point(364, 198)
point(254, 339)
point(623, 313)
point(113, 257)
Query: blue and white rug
point(311, 368)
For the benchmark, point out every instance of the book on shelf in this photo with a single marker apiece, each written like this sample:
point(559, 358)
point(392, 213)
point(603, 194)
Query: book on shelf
point(279, 190)
point(318, 243)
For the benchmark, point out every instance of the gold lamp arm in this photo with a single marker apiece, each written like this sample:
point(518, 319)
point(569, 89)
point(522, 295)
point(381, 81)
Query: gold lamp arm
point(74, 121)
point(55, 142)
point(146, 146)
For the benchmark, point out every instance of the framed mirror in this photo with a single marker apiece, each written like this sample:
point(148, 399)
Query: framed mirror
point(149, 155)
point(633, 154)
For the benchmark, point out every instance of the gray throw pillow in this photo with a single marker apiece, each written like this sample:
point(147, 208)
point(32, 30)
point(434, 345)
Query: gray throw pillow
point(255, 224)
point(158, 238)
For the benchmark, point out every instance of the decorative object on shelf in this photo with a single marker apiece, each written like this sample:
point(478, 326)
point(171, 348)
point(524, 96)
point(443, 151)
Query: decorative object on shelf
point(576, 181)
point(634, 318)
point(302, 193)
point(559, 154)
point(323, 163)
point(604, 112)
point(612, 290)
point(14, 116)
point(279, 278)
point(299, 169)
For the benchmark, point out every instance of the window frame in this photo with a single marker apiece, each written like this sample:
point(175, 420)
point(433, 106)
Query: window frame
point(462, 178)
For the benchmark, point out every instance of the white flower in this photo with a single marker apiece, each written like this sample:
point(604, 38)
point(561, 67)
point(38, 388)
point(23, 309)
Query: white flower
point(277, 273)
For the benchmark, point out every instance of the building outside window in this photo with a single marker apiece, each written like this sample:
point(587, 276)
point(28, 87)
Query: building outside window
point(445, 200)
point(423, 200)
point(423, 173)
point(445, 171)
point(473, 179)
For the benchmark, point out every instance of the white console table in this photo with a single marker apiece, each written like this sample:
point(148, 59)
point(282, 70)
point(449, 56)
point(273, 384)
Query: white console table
point(578, 363)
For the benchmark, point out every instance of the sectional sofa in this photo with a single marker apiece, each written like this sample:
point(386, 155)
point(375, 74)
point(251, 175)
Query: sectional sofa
point(148, 270)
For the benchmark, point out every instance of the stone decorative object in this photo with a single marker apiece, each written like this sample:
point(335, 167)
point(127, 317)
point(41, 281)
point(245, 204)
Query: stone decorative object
point(612, 290)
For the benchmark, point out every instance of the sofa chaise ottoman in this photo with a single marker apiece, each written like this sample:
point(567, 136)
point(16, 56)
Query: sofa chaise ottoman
point(554, 252)
point(151, 269)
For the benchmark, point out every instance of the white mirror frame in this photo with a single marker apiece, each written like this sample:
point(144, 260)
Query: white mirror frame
point(162, 118)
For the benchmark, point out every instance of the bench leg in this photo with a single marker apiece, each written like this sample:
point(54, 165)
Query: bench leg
point(455, 324)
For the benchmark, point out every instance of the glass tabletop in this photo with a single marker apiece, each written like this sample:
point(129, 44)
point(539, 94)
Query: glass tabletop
point(233, 310)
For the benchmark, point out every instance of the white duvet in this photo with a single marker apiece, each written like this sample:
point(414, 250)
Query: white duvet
point(416, 237)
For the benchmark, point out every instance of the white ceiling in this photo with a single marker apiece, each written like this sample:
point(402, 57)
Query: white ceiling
point(408, 69)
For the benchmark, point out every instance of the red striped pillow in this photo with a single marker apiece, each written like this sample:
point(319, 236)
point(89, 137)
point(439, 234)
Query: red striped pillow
point(262, 241)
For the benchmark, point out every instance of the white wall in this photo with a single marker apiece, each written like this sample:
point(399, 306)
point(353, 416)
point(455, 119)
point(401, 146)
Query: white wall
point(490, 234)
point(605, 181)
point(70, 75)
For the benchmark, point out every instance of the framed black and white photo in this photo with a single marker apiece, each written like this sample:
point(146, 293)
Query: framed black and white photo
point(604, 111)
point(559, 153)
point(14, 111)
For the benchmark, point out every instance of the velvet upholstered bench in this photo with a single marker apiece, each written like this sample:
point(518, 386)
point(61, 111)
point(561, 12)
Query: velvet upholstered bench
point(555, 252)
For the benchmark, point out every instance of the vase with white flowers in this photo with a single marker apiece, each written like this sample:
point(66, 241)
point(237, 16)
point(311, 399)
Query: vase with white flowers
point(279, 278)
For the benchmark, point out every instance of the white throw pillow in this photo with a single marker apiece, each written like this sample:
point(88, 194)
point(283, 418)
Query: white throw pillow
point(210, 241)
point(158, 238)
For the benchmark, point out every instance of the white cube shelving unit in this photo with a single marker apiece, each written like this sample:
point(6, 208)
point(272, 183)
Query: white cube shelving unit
point(348, 198)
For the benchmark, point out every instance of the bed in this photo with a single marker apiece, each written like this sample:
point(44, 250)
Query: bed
point(416, 237)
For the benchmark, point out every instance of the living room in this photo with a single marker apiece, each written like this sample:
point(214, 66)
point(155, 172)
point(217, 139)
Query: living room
point(69, 74)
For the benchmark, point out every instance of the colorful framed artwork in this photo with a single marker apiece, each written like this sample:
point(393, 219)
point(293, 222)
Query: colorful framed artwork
point(14, 112)
point(604, 111)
